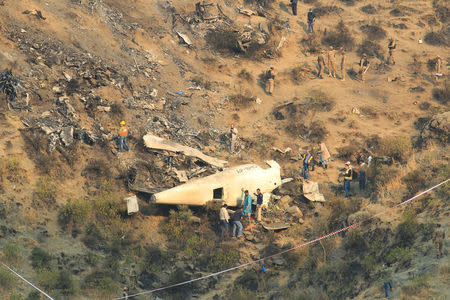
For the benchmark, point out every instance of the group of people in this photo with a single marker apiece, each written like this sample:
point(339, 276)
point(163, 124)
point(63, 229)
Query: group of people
point(310, 16)
point(244, 212)
point(308, 162)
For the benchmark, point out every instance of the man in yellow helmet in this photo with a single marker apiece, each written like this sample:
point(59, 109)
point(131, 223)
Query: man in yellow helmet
point(123, 136)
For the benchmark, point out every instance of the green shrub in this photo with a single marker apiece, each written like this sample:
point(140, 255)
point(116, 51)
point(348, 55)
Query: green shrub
point(74, 212)
point(11, 253)
point(40, 259)
point(369, 265)
point(34, 295)
point(155, 259)
point(177, 227)
point(416, 285)
point(44, 193)
point(196, 245)
point(415, 181)
point(399, 148)
point(94, 239)
point(6, 278)
point(101, 281)
point(61, 282)
point(399, 255)
point(47, 279)
point(222, 257)
point(241, 293)
point(65, 283)
point(355, 242)
point(407, 230)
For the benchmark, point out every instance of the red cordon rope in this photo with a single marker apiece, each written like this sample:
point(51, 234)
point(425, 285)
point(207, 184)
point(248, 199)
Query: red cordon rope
point(282, 252)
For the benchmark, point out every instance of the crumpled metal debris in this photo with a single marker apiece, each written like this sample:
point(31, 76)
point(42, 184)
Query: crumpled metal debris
point(9, 85)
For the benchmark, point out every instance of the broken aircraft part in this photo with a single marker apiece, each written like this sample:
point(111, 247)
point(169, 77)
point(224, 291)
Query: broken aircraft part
point(311, 191)
point(155, 142)
point(276, 226)
point(223, 186)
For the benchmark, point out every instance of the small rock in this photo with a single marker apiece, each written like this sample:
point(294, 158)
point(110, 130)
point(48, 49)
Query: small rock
point(104, 108)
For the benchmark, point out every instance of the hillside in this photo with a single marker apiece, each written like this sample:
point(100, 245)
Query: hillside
point(74, 69)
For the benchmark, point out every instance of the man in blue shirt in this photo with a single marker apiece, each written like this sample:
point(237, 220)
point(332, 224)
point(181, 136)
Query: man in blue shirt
point(311, 20)
point(306, 159)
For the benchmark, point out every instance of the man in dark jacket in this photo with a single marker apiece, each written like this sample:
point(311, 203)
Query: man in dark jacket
point(259, 202)
point(294, 7)
point(311, 20)
point(236, 218)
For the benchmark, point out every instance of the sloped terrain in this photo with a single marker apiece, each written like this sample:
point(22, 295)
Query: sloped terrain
point(76, 68)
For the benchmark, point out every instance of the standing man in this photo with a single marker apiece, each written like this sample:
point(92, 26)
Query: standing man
point(233, 138)
point(236, 218)
point(348, 176)
point(123, 137)
point(306, 159)
point(259, 202)
point(247, 211)
point(224, 220)
point(294, 7)
point(364, 65)
point(321, 63)
point(438, 239)
point(386, 274)
point(343, 60)
point(325, 156)
point(311, 20)
point(437, 68)
point(391, 46)
point(331, 62)
point(270, 80)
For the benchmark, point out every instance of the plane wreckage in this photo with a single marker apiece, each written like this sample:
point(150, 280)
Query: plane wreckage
point(224, 186)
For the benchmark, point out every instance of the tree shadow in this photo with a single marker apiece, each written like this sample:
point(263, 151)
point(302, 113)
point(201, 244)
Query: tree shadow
point(303, 25)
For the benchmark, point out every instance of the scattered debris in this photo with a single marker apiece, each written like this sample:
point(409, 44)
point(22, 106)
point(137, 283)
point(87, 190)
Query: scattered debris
point(132, 205)
point(276, 226)
point(288, 149)
point(154, 142)
point(311, 191)
point(247, 12)
point(35, 12)
point(185, 38)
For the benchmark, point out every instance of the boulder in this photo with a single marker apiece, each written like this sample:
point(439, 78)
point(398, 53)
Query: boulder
point(295, 212)
point(284, 202)
point(438, 127)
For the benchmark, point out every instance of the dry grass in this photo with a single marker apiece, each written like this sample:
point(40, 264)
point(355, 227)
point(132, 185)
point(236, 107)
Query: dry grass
point(373, 31)
point(245, 75)
point(242, 100)
point(438, 38)
point(340, 37)
point(371, 48)
point(369, 9)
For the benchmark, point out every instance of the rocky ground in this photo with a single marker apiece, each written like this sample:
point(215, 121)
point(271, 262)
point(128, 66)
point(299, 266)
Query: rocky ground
point(75, 68)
